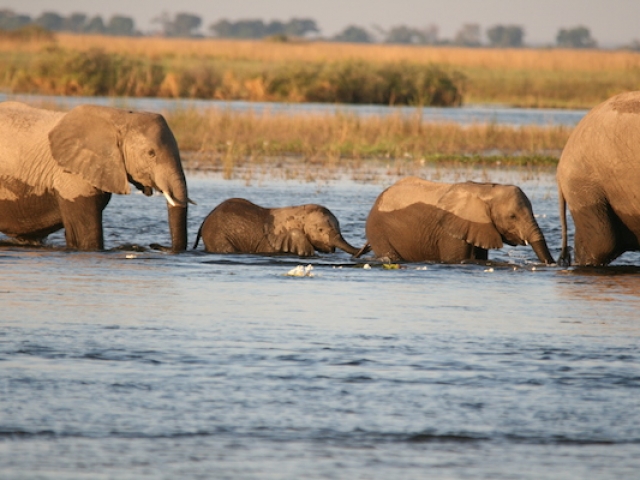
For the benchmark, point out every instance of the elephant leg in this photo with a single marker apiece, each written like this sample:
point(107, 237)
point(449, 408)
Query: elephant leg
point(82, 220)
point(478, 253)
point(596, 242)
point(221, 244)
point(454, 250)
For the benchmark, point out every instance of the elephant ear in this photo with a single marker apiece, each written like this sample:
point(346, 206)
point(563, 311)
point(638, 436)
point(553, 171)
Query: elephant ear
point(466, 216)
point(85, 142)
point(291, 241)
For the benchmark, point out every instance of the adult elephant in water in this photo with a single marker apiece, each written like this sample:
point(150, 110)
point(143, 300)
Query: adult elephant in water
point(240, 226)
point(418, 220)
point(599, 178)
point(58, 170)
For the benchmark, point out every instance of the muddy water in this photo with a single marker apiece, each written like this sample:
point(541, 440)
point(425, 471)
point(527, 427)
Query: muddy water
point(127, 364)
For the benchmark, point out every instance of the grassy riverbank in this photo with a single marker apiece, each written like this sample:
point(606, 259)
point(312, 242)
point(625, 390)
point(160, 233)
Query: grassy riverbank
point(226, 140)
point(302, 71)
point(317, 71)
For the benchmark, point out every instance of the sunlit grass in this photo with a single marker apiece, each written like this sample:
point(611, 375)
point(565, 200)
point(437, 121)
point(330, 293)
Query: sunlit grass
point(212, 68)
point(260, 51)
point(225, 140)
point(58, 71)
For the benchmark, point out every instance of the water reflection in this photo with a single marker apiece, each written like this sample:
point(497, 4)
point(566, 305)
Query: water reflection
point(616, 283)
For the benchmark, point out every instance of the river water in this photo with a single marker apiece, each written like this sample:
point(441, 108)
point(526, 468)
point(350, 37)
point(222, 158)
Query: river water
point(466, 115)
point(141, 364)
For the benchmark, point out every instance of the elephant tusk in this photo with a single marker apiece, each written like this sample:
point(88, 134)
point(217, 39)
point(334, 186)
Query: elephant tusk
point(191, 201)
point(170, 200)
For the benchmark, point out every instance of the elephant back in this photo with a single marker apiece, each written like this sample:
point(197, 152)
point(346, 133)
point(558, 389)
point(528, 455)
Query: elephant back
point(408, 191)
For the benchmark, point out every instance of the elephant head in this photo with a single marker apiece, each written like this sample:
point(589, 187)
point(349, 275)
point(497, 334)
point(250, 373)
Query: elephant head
point(110, 148)
point(486, 215)
point(322, 229)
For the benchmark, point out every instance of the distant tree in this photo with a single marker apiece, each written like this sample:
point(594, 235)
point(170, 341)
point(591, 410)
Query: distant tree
point(300, 27)
point(405, 35)
point(182, 25)
point(239, 29)
point(275, 27)
point(9, 20)
point(408, 35)
point(468, 35)
point(354, 34)
point(120, 26)
point(250, 28)
point(505, 36)
point(75, 22)
point(50, 21)
point(577, 37)
point(430, 33)
point(95, 25)
point(222, 28)
point(186, 24)
point(634, 45)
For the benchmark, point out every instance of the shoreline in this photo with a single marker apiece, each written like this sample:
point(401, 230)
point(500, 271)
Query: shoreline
point(370, 170)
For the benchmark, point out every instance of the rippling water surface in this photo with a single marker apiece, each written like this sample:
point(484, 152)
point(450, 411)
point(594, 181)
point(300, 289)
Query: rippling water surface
point(465, 115)
point(127, 364)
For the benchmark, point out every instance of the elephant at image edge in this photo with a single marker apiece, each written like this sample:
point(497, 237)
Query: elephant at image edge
point(418, 220)
point(599, 178)
point(58, 170)
point(240, 226)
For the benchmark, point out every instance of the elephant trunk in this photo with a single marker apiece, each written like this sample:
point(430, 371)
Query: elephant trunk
point(539, 245)
point(542, 251)
point(342, 244)
point(174, 188)
point(178, 228)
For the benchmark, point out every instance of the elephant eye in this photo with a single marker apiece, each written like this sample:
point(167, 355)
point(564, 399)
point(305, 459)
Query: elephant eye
point(152, 152)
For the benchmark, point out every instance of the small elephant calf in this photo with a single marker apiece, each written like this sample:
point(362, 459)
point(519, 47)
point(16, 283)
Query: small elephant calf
point(240, 226)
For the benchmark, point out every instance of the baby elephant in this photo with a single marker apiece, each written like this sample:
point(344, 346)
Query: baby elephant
point(417, 220)
point(240, 226)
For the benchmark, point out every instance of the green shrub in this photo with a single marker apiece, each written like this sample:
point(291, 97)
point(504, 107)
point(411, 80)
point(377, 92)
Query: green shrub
point(97, 73)
point(360, 82)
point(28, 33)
point(93, 73)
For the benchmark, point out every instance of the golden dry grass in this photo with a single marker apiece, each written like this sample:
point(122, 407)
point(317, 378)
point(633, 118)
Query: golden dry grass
point(550, 78)
point(261, 51)
point(229, 138)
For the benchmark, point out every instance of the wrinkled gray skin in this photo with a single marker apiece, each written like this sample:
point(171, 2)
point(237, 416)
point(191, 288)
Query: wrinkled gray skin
point(417, 220)
point(599, 178)
point(240, 226)
point(58, 170)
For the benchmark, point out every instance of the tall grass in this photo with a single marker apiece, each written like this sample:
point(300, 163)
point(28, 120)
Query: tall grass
point(243, 69)
point(259, 51)
point(229, 138)
point(96, 72)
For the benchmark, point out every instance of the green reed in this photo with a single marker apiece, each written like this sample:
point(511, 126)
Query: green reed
point(55, 70)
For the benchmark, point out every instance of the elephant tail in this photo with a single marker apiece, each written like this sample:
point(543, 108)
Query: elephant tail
point(195, 245)
point(565, 255)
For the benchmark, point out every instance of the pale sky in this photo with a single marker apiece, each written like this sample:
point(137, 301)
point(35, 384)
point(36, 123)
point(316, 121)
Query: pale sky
point(611, 22)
